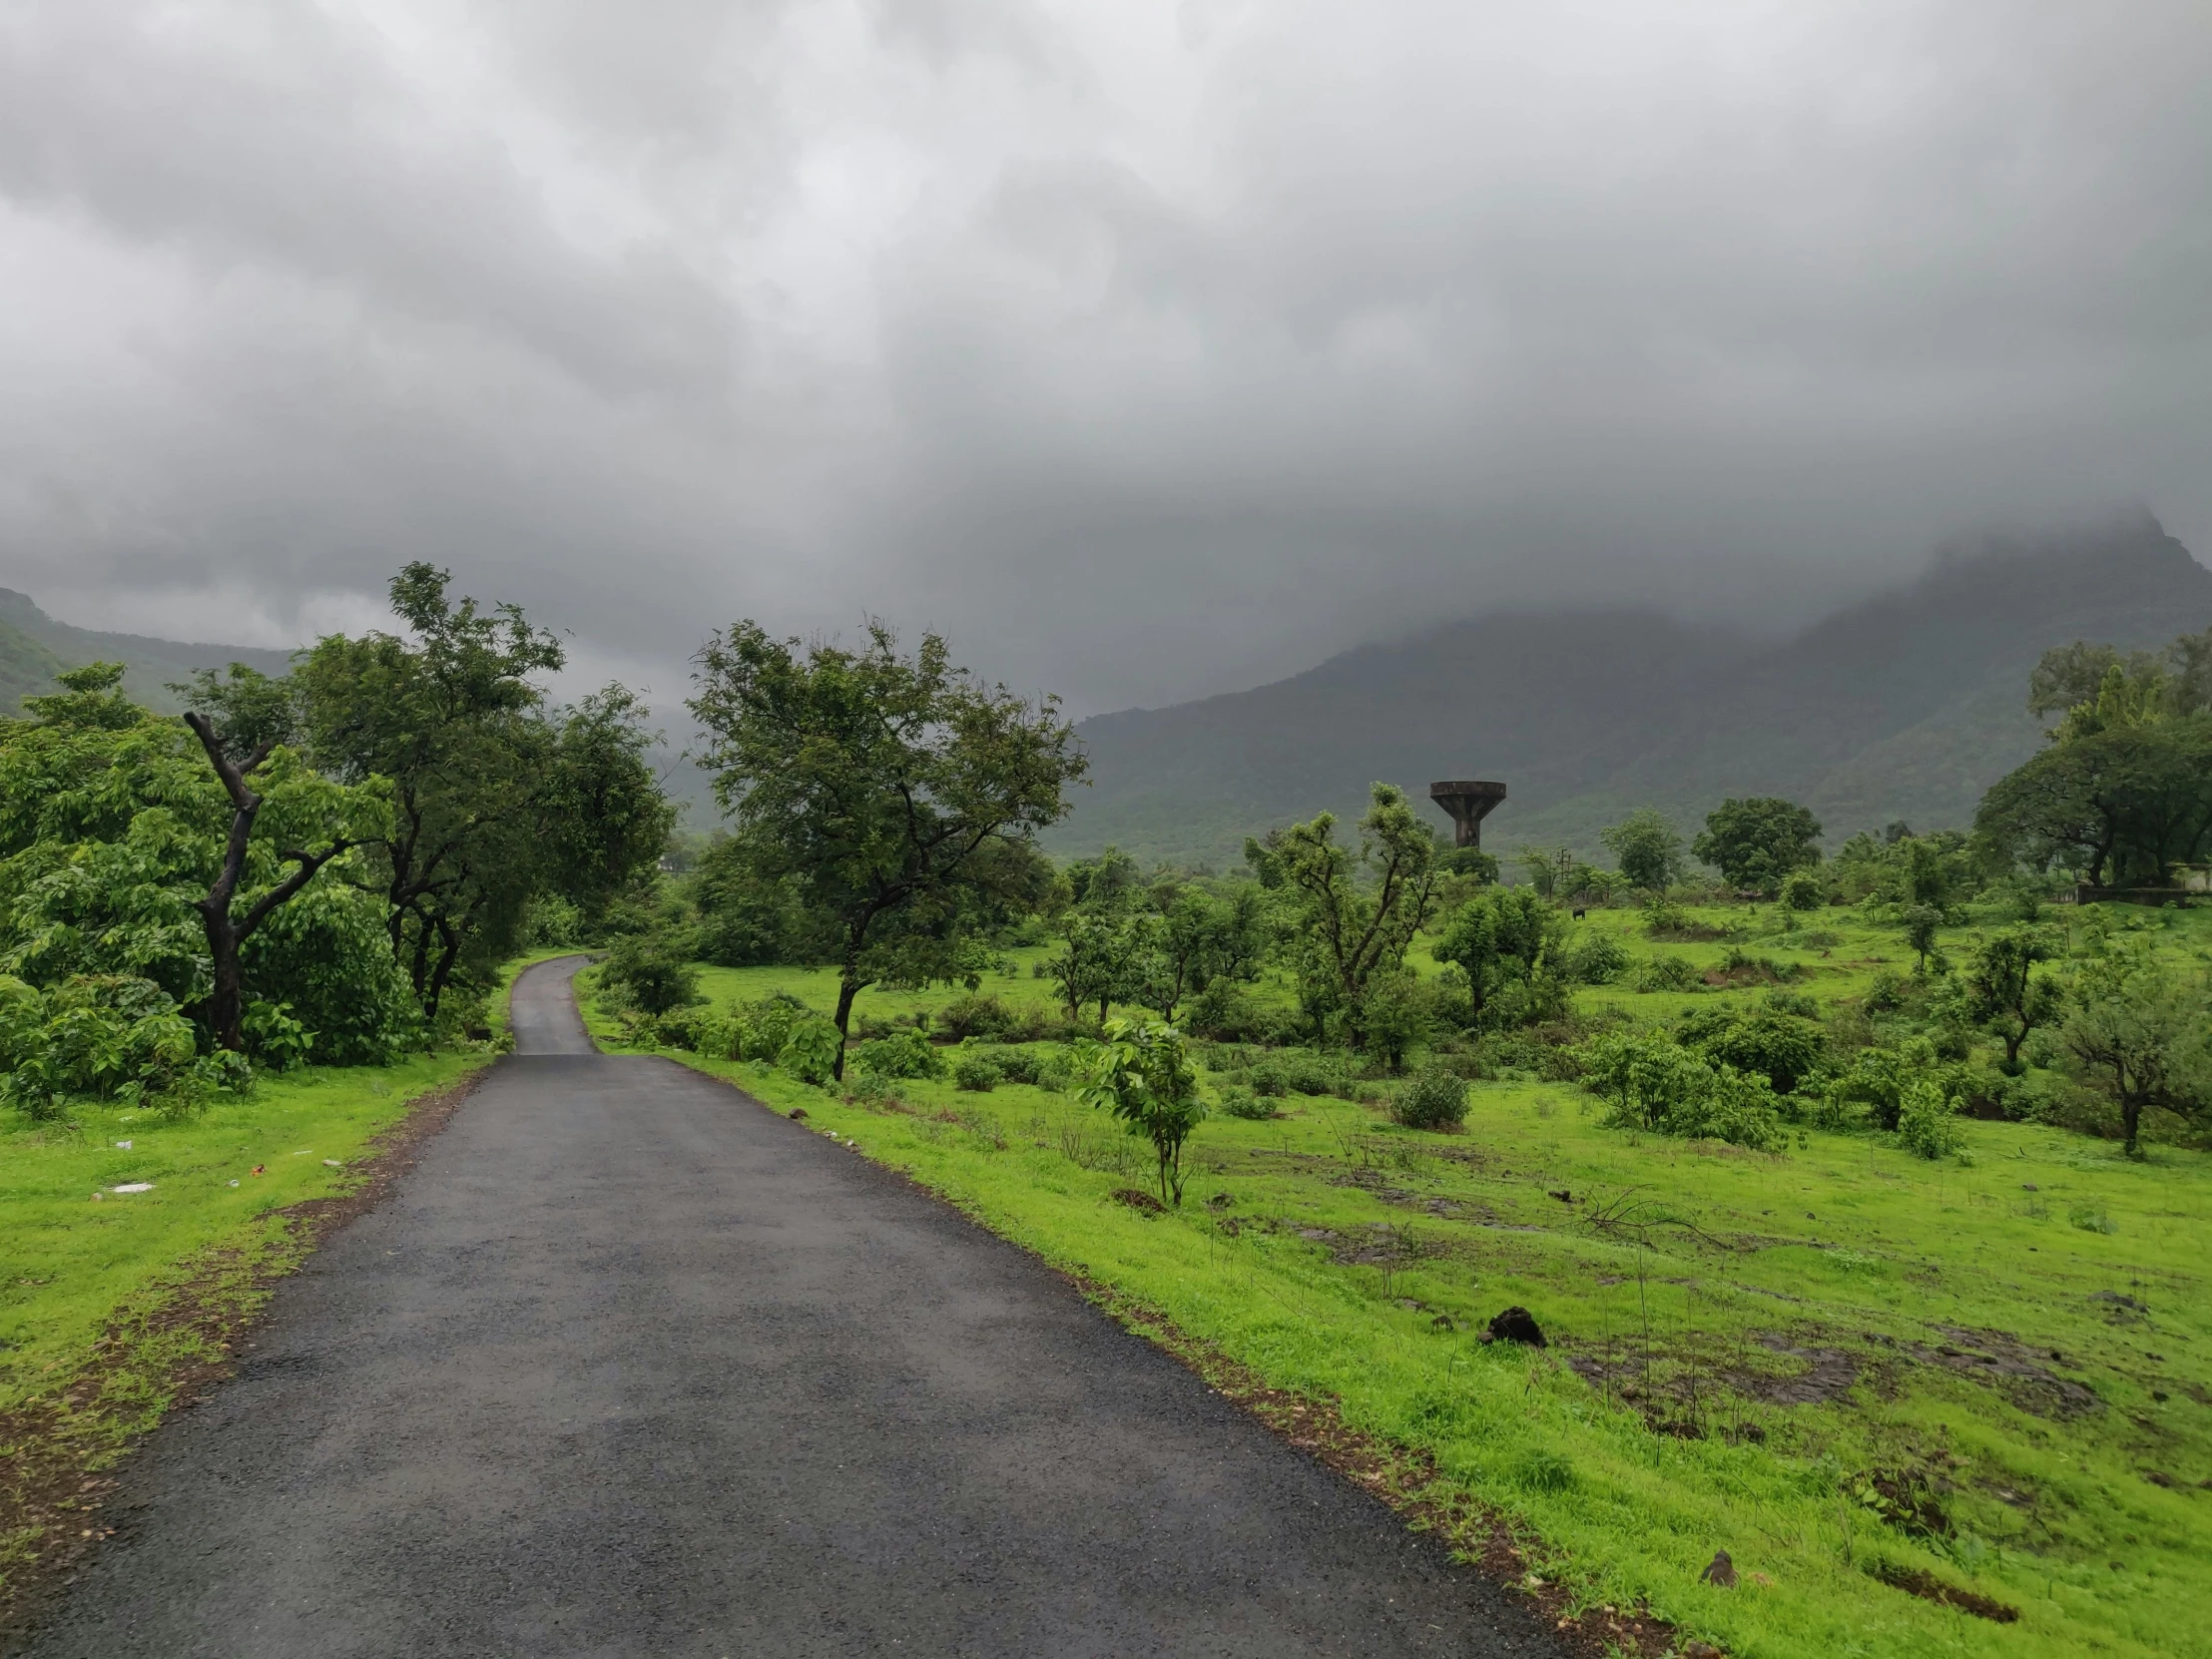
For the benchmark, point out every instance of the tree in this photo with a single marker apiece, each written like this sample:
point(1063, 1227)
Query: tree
point(1921, 923)
point(1143, 1075)
point(1092, 963)
point(1647, 848)
point(128, 858)
point(1755, 843)
point(494, 801)
point(1351, 929)
point(1505, 939)
point(2140, 1035)
point(2122, 806)
point(2006, 995)
point(2123, 791)
point(900, 794)
point(242, 738)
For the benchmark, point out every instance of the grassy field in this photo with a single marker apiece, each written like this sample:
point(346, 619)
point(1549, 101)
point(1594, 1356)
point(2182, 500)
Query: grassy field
point(1851, 1367)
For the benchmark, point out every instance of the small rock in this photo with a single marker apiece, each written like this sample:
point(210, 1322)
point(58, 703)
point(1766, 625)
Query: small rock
point(1517, 1324)
point(2030, 1187)
point(1564, 1195)
point(798, 1114)
point(2159, 1477)
point(1700, 1650)
point(1720, 1572)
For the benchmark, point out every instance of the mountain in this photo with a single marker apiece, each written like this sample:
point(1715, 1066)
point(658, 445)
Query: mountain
point(1906, 706)
point(34, 648)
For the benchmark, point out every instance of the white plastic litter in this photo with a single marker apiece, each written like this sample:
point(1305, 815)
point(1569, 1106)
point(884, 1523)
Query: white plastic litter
point(332, 1163)
point(123, 1145)
point(133, 1187)
point(234, 1183)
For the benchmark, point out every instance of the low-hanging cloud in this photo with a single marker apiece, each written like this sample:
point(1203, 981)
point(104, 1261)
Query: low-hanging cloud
point(1150, 350)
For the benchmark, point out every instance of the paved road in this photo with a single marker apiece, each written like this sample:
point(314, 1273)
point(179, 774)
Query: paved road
point(629, 1366)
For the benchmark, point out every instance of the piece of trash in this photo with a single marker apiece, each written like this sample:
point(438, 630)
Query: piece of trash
point(234, 1183)
point(331, 1163)
point(304, 1152)
point(133, 1187)
point(258, 1168)
point(97, 1197)
point(122, 1146)
point(1720, 1572)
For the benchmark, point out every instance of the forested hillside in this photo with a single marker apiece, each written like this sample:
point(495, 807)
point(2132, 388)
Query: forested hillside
point(34, 647)
point(1907, 706)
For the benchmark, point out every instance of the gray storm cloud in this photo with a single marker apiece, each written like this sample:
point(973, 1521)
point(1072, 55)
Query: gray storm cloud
point(1149, 350)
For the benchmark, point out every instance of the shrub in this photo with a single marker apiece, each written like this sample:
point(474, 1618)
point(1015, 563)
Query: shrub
point(1926, 1124)
point(976, 1073)
point(810, 1053)
point(1018, 1065)
point(1597, 959)
point(1783, 1048)
point(764, 1027)
point(1436, 1098)
point(1802, 891)
point(1243, 1103)
point(649, 972)
point(903, 1054)
point(974, 1016)
point(1667, 973)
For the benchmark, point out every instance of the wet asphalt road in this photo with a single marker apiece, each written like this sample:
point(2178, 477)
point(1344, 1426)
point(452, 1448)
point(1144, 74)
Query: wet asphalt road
point(631, 1366)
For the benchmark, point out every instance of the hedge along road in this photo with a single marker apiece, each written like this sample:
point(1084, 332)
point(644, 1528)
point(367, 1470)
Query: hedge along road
point(629, 1365)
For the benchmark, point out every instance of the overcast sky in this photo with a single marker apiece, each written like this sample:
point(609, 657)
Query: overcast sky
point(1149, 350)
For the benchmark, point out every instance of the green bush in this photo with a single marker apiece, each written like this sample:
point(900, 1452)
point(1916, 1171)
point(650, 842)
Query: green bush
point(1667, 973)
point(974, 1016)
point(650, 973)
point(1436, 1098)
point(1243, 1103)
point(810, 1053)
point(976, 1073)
point(1803, 890)
point(1783, 1048)
point(903, 1054)
point(1927, 1123)
point(1596, 959)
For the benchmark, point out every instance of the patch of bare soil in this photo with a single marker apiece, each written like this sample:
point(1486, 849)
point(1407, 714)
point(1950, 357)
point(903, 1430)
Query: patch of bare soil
point(62, 1448)
point(1924, 1584)
point(1408, 1480)
point(2015, 1369)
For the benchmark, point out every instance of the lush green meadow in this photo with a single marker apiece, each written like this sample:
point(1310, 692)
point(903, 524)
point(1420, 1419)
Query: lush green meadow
point(1842, 1362)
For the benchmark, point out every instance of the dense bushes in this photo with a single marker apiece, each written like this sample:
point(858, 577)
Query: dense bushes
point(1436, 1098)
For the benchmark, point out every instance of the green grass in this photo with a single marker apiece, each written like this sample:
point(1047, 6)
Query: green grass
point(73, 1257)
point(1322, 1249)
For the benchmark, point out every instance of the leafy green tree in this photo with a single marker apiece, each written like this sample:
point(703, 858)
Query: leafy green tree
point(1355, 912)
point(2123, 791)
point(1921, 923)
point(1647, 848)
point(1506, 939)
point(1142, 1073)
point(2006, 993)
point(1757, 842)
point(495, 802)
point(2139, 1034)
point(1092, 963)
point(2122, 806)
point(902, 794)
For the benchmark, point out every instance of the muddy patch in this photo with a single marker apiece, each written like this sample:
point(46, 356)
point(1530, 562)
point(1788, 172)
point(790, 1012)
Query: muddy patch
point(2003, 1362)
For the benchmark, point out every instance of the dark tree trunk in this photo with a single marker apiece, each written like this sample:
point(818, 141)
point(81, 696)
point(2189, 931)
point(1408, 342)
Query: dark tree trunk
point(225, 932)
point(848, 987)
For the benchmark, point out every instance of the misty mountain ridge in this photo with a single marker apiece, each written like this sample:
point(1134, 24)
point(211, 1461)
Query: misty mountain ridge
point(1906, 705)
point(34, 648)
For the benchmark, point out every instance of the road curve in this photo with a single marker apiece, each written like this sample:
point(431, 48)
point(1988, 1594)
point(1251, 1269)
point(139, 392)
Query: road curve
point(629, 1365)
